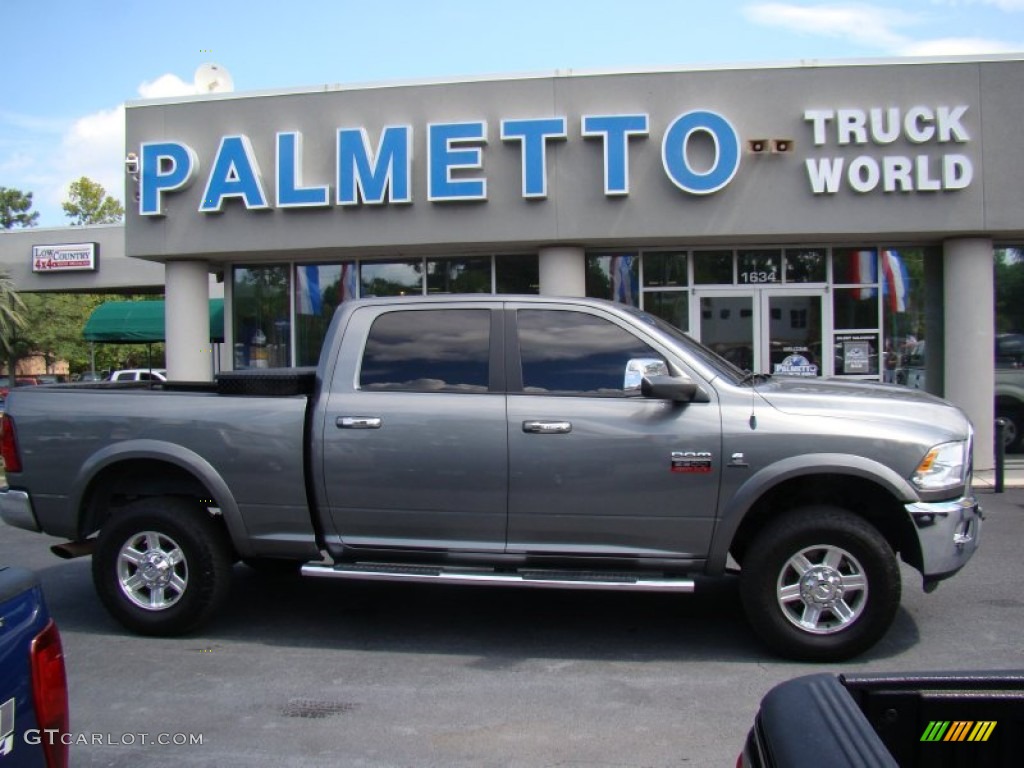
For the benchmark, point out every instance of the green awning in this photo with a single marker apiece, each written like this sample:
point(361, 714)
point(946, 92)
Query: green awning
point(132, 322)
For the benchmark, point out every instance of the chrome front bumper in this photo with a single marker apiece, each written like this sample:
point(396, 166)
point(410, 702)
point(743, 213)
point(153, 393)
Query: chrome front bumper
point(948, 532)
point(16, 510)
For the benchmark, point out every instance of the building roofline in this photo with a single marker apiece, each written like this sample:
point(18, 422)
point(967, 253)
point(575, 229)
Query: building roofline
point(569, 73)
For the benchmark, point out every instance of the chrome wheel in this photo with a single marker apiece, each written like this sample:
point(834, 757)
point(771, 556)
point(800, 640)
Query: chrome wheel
point(822, 589)
point(152, 570)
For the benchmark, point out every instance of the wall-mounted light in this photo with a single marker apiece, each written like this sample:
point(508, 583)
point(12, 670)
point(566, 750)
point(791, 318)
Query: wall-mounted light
point(131, 165)
point(780, 146)
point(757, 146)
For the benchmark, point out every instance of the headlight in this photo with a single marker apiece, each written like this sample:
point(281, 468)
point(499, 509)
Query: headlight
point(944, 466)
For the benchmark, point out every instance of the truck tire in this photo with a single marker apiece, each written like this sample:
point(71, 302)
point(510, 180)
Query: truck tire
point(820, 584)
point(162, 566)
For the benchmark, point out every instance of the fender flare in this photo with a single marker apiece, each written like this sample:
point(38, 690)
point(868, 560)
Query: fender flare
point(765, 479)
point(168, 453)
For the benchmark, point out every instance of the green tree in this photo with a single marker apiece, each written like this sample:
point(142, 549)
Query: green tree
point(89, 203)
point(11, 319)
point(53, 329)
point(14, 205)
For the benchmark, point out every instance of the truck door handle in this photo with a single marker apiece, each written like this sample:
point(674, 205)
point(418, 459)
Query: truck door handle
point(358, 422)
point(547, 427)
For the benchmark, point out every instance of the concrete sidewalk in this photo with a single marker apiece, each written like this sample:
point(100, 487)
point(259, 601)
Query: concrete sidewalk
point(1013, 475)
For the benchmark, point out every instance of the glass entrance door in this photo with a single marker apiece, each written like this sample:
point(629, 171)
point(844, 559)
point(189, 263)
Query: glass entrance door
point(777, 331)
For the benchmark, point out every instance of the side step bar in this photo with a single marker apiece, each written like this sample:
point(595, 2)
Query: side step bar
point(551, 579)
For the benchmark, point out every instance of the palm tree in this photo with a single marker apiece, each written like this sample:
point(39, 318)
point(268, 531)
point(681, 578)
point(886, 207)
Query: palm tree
point(11, 317)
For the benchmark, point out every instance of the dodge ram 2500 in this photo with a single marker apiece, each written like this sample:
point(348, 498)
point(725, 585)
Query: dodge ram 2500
point(528, 441)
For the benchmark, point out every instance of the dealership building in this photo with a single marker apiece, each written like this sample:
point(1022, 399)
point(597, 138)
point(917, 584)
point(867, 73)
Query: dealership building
point(814, 219)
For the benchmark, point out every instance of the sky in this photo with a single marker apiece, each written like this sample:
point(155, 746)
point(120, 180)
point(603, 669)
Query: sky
point(70, 65)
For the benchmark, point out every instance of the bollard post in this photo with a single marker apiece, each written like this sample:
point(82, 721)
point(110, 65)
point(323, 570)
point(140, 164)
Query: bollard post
point(1000, 451)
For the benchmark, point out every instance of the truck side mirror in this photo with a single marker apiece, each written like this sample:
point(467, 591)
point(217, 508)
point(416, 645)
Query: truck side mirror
point(678, 390)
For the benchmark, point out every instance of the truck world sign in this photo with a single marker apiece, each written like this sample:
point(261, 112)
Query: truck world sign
point(701, 152)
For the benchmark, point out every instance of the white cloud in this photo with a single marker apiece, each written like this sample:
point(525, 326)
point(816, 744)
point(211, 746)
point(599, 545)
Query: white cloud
point(957, 46)
point(885, 29)
point(865, 24)
point(166, 86)
point(91, 146)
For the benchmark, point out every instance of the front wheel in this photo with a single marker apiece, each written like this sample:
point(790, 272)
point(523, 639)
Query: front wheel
point(162, 566)
point(820, 584)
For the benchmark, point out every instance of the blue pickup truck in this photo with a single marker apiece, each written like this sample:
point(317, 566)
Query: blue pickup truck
point(33, 685)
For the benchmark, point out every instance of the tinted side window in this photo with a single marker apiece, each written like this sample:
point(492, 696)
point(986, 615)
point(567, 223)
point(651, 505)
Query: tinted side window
point(436, 350)
point(566, 352)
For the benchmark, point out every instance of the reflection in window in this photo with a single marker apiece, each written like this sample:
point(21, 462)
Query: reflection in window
point(712, 267)
point(437, 350)
point(855, 308)
point(903, 304)
point(391, 278)
point(575, 353)
point(517, 273)
point(805, 265)
point(665, 269)
point(756, 267)
point(854, 266)
point(468, 275)
point(671, 306)
point(260, 310)
point(615, 277)
point(319, 289)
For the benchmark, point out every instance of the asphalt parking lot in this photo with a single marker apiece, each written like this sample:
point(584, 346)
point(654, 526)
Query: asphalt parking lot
point(308, 673)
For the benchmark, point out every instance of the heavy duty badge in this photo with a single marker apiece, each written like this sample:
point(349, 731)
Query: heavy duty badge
point(691, 462)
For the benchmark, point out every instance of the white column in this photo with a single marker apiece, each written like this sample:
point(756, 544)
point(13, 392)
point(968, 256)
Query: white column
point(970, 338)
point(563, 271)
point(187, 321)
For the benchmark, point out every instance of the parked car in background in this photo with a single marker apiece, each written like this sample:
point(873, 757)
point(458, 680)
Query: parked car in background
point(1009, 381)
point(33, 682)
point(139, 374)
point(89, 376)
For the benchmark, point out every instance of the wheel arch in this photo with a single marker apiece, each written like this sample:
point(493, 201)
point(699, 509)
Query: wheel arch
point(145, 468)
point(861, 486)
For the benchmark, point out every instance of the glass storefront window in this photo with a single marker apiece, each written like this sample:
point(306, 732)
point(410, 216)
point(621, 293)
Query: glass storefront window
point(855, 354)
point(517, 273)
point(319, 289)
point(671, 306)
point(615, 277)
point(759, 267)
point(805, 265)
point(903, 304)
point(855, 308)
point(665, 269)
point(391, 278)
point(854, 266)
point(712, 268)
point(261, 303)
point(469, 275)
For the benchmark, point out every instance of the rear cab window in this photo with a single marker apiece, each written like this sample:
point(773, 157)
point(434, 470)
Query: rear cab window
point(428, 350)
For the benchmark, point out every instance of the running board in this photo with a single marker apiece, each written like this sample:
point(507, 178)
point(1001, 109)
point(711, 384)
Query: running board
point(551, 579)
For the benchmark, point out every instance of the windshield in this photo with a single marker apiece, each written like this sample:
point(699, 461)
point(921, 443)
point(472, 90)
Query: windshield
point(706, 355)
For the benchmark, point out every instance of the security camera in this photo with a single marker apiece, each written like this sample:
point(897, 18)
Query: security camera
point(131, 164)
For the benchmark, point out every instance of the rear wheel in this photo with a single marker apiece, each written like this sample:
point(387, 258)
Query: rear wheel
point(820, 584)
point(162, 566)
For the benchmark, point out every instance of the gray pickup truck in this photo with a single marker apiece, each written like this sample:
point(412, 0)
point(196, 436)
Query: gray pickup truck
point(528, 441)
